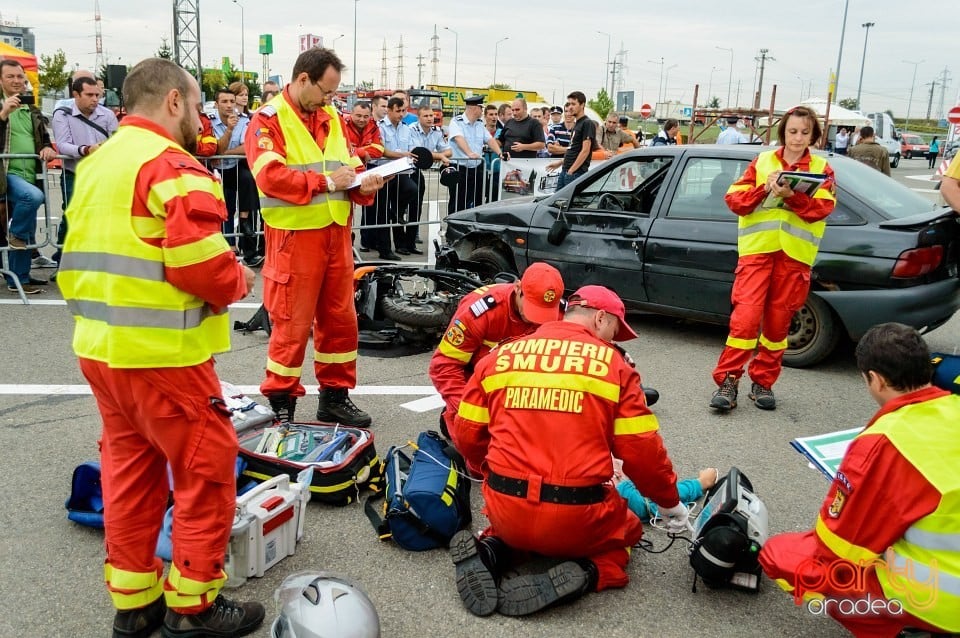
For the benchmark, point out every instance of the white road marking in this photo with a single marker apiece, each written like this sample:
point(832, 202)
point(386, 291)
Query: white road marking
point(432, 402)
point(367, 390)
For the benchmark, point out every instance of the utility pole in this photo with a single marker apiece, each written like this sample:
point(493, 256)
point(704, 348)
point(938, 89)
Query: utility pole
point(863, 60)
point(383, 65)
point(933, 86)
point(400, 81)
point(420, 66)
point(763, 61)
point(944, 80)
point(434, 57)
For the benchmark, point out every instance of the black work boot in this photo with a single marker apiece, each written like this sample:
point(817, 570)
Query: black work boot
point(223, 618)
point(725, 398)
point(140, 622)
point(763, 397)
point(563, 583)
point(283, 405)
point(335, 406)
point(475, 563)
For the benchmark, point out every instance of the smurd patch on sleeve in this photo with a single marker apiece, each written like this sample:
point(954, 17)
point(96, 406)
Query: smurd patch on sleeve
point(265, 143)
point(837, 505)
point(455, 336)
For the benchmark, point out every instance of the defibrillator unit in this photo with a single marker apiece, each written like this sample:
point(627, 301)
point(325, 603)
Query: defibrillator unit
point(729, 533)
point(267, 525)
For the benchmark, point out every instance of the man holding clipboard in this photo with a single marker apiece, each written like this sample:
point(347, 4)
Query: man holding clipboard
point(782, 199)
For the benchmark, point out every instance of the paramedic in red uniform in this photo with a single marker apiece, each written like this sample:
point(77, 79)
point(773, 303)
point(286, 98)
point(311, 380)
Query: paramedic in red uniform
point(543, 416)
point(363, 134)
point(298, 151)
point(884, 553)
point(148, 277)
point(484, 318)
point(778, 244)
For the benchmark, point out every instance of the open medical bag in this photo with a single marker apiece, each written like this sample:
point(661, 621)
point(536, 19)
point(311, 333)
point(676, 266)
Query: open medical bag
point(343, 458)
point(245, 413)
point(427, 496)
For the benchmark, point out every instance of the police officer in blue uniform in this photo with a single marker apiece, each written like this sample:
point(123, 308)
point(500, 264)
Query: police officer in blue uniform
point(424, 134)
point(467, 137)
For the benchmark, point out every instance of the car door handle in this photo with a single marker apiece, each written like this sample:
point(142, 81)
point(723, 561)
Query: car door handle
point(630, 233)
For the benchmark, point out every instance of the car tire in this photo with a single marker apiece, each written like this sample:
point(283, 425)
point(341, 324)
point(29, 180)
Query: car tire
point(416, 313)
point(895, 161)
point(492, 260)
point(814, 333)
point(908, 155)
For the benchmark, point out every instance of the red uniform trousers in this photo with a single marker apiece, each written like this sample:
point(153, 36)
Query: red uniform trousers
point(152, 417)
point(784, 556)
point(603, 532)
point(767, 290)
point(308, 280)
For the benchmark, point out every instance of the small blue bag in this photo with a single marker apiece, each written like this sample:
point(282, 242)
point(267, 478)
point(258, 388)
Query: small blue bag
point(946, 371)
point(427, 496)
point(85, 505)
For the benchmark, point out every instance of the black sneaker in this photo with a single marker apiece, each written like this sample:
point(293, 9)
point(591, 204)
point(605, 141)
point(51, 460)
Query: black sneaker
point(283, 405)
point(141, 622)
point(725, 398)
point(335, 406)
point(223, 618)
point(530, 593)
point(763, 397)
point(475, 582)
point(253, 261)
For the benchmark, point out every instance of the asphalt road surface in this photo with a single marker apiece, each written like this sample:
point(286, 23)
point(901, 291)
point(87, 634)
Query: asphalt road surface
point(51, 580)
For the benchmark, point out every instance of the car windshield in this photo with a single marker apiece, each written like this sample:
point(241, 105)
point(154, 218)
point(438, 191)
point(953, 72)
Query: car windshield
point(890, 198)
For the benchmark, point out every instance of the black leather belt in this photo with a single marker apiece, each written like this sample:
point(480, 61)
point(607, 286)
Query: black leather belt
point(560, 494)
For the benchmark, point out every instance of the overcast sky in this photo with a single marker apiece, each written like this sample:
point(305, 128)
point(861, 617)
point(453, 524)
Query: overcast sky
point(554, 47)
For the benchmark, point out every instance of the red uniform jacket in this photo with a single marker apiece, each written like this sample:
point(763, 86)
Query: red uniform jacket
point(484, 318)
point(264, 135)
point(206, 140)
point(366, 144)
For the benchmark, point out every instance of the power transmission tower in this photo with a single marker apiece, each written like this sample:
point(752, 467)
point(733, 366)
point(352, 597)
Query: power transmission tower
point(763, 62)
point(944, 81)
point(434, 56)
point(420, 66)
point(383, 66)
point(619, 81)
point(98, 37)
point(400, 82)
point(186, 36)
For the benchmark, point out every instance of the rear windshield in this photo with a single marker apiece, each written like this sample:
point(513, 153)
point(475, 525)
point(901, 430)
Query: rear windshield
point(912, 139)
point(890, 198)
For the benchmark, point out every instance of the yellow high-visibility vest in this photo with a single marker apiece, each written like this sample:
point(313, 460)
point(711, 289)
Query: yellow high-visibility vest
point(127, 315)
point(767, 230)
point(303, 154)
point(924, 569)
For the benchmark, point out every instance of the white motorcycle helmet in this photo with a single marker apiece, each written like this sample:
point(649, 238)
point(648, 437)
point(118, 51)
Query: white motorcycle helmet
point(323, 605)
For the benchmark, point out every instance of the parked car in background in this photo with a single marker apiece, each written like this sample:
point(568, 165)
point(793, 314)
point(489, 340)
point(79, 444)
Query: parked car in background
point(653, 225)
point(912, 146)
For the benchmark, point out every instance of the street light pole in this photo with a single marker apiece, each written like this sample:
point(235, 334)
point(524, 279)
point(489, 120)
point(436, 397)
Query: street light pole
point(666, 81)
point(243, 68)
point(608, 69)
point(495, 46)
point(710, 83)
point(863, 60)
point(843, 30)
point(355, 2)
point(456, 54)
point(912, 83)
point(730, 76)
point(334, 45)
point(660, 84)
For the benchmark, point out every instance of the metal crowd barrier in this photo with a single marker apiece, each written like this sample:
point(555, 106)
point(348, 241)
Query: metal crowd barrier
point(49, 232)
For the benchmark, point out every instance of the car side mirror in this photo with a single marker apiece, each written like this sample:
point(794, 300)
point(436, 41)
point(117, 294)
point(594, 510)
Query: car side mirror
point(562, 204)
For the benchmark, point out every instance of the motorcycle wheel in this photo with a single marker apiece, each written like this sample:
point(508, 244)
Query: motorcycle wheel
point(416, 313)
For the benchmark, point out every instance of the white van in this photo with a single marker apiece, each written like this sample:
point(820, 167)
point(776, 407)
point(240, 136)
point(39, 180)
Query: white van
point(887, 135)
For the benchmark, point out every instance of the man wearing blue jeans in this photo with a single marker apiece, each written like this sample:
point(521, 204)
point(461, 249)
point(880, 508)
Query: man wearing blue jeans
point(576, 161)
point(22, 131)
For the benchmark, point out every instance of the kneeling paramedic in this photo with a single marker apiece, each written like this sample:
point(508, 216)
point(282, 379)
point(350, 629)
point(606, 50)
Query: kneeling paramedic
point(541, 417)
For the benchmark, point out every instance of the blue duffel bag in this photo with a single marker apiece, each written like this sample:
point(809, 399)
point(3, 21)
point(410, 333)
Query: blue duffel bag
point(427, 496)
point(946, 371)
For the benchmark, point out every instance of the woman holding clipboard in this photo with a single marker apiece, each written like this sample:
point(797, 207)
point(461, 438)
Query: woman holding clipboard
point(782, 199)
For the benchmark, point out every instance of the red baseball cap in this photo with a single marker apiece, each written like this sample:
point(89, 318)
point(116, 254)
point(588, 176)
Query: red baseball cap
point(542, 289)
point(602, 298)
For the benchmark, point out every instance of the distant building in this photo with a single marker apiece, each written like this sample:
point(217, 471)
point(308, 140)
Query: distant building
point(16, 36)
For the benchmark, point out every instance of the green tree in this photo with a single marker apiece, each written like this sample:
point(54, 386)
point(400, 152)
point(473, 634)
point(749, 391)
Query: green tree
point(54, 73)
point(849, 103)
point(714, 103)
point(164, 51)
point(602, 104)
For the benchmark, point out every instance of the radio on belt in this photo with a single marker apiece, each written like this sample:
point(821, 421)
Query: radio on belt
point(267, 526)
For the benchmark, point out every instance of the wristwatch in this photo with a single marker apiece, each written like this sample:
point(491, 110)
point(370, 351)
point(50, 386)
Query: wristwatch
point(331, 185)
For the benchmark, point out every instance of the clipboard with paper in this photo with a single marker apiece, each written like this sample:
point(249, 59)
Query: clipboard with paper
point(825, 451)
point(799, 182)
point(393, 167)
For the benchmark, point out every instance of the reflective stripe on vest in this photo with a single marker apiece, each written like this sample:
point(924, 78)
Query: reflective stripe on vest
point(768, 230)
point(925, 571)
point(304, 154)
point(127, 314)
